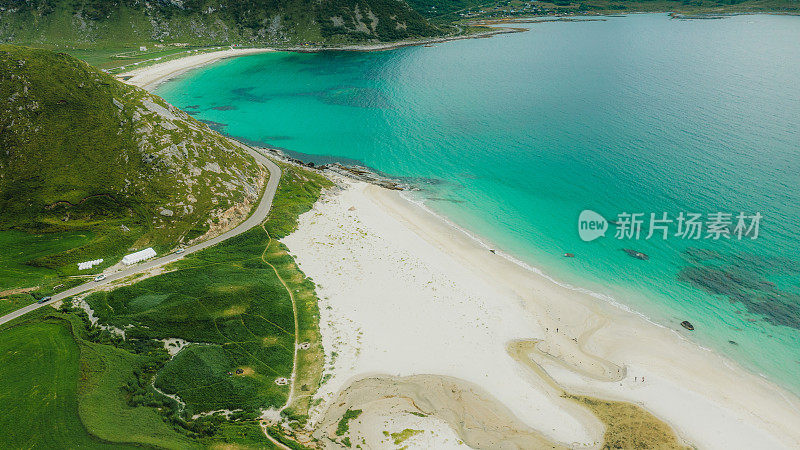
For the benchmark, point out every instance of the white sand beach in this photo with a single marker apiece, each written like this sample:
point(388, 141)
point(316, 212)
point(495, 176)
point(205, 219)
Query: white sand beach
point(405, 293)
point(149, 77)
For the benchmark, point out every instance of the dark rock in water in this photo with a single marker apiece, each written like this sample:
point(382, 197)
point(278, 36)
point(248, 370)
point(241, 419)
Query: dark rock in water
point(733, 342)
point(636, 254)
point(688, 325)
point(569, 255)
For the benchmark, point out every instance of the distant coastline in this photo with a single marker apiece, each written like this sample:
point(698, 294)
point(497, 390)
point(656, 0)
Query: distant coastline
point(149, 77)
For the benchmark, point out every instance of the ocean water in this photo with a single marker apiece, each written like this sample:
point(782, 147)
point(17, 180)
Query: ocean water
point(512, 137)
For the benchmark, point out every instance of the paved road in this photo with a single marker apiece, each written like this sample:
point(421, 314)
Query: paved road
point(255, 219)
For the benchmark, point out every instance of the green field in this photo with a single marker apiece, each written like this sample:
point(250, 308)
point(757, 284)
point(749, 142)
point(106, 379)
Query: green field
point(106, 411)
point(69, 392)
point(40, 373)
point(14, 302)
point(49, 260)
point(22, 248)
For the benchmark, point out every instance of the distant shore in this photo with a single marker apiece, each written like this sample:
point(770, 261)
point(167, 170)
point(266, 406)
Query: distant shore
point(149, 77)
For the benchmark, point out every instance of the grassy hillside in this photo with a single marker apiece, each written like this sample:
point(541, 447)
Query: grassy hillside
point(91, 168)
point(112, 23)
point(444, 12)
point(39, 372)
point(78, 385)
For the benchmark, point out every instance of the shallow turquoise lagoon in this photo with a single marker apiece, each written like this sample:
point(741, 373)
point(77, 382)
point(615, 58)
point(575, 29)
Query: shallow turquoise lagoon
point(512, 137)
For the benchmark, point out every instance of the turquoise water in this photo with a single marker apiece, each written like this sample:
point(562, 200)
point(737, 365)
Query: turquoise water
point(512, 137)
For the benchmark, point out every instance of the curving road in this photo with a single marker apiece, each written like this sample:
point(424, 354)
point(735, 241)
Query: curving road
point(258, 216)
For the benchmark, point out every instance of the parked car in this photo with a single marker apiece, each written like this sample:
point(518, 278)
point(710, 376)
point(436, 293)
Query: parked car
point(179, 251)
point(45, 299)
point(100, 277)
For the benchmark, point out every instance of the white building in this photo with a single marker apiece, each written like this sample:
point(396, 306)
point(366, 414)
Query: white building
point(139, 256)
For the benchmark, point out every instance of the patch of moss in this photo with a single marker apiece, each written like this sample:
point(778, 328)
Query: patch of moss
point(629, 426)
point(401, 436)
point(344, 423)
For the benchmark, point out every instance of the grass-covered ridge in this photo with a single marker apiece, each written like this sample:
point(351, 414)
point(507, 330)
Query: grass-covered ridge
point(105, 23)
point(91, 168)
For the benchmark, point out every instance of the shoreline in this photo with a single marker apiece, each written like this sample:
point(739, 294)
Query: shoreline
point(150, 77)
point(698, 392)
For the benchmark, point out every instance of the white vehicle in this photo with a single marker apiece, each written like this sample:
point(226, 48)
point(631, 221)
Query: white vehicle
point(100, 277)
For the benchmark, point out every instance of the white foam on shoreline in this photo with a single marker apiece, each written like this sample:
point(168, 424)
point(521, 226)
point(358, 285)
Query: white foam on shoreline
point(499, 252)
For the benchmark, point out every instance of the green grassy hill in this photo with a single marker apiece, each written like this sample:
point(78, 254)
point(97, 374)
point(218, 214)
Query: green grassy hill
point(91, 168)
point(446, 12)
point(77, 385)
point(117, 23)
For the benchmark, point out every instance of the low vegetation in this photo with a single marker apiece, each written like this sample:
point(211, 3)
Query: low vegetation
point(629, 426)
point(233, 306)
point(13, 302)
point(344, 424)
point(401, 436)
point(297, 193)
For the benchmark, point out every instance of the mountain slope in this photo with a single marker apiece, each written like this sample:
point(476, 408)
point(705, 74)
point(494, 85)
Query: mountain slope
point(206, 22)
point(80, 151)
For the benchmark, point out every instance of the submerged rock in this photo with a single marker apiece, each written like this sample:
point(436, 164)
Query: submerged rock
point(636, 254)
point(688, 325)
